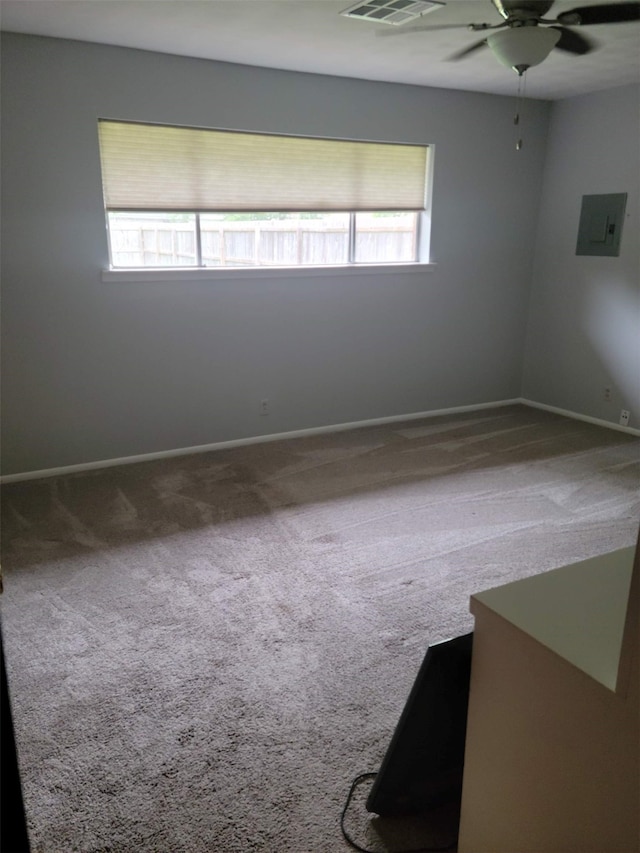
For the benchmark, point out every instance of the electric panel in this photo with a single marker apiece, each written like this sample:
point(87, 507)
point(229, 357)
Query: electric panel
point(600, 227)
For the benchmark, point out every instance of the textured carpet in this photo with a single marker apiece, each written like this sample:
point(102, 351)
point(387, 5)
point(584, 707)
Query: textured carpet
point(203, 652)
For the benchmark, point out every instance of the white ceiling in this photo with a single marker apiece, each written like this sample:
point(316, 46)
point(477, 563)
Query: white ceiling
point(311, 35)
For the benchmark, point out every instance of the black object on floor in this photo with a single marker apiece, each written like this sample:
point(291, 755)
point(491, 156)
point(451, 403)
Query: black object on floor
point(424, 763)
point(13, 828)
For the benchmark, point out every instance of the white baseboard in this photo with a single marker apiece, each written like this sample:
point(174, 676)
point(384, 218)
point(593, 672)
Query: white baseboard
point(240, 442)
point(578, 417)
point(300, 433)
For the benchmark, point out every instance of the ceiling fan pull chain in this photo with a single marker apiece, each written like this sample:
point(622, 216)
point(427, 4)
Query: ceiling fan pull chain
point(519, 106)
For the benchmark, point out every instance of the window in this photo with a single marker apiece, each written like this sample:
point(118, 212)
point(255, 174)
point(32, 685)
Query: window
point(188, 197)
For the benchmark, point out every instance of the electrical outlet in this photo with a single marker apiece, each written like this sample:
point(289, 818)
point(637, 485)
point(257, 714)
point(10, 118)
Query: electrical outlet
point(264, 407)
point(607, 394)
point(625, 414)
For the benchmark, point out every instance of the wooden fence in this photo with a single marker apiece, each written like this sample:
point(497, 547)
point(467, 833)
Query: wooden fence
point(268, 243)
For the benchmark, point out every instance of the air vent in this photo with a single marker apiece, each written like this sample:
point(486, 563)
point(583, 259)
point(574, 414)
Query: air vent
point(394, 12)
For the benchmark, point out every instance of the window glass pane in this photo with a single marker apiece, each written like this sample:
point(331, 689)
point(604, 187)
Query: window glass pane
point(386, 237)
point(152, 239)
point(274, 239)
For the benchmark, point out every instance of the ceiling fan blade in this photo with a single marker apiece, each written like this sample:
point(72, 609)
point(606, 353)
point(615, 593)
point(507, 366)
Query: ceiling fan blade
point(461, 54)
point(614, 13)
point(425, 28)
point(573, 42)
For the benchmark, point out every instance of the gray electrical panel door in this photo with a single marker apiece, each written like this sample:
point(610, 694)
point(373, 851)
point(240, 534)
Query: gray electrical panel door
point(600, 228)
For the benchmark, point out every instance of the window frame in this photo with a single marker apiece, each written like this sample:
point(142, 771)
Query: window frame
point(351, 234)
point(211, 274)
point(422, 238)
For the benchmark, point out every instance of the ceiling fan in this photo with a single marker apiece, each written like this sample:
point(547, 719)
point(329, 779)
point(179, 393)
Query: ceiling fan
point(525, 37)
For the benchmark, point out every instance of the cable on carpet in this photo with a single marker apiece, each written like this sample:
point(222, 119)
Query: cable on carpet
point(356, 846)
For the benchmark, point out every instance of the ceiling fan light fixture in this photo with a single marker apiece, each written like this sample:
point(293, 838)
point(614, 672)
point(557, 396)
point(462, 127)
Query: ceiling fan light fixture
point(521, 47)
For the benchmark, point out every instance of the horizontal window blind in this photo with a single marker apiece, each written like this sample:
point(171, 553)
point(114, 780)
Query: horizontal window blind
point(155, 167)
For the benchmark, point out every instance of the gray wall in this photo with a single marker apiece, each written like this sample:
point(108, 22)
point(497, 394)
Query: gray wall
point(584, 319)
point(96, 370)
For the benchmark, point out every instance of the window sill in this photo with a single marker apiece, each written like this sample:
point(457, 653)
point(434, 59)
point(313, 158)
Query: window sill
point(216, 274)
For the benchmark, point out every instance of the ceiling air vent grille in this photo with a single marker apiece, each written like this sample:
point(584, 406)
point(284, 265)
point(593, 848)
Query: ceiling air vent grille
point(391, 11)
